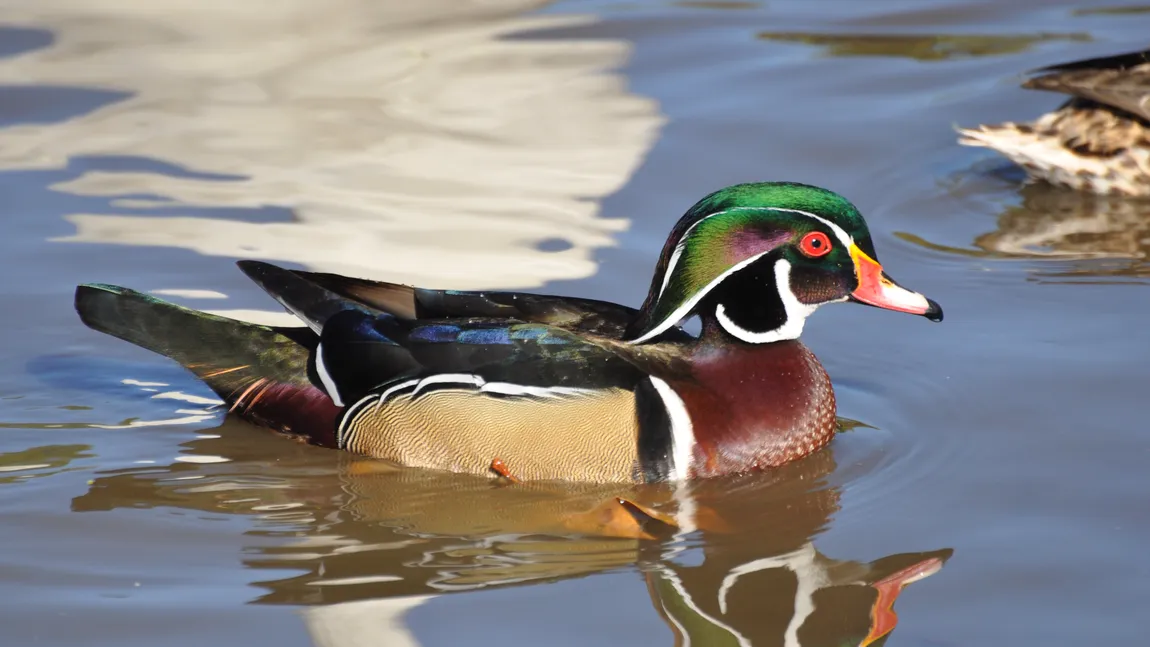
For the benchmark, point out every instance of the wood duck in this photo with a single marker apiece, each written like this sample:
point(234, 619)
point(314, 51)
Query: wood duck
point(526, 386)
point(1098, 141)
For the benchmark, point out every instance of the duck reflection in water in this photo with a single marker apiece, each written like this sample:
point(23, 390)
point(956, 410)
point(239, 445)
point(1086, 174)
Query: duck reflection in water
point(1111, 232)
point(726, 561)
point(1085, 235)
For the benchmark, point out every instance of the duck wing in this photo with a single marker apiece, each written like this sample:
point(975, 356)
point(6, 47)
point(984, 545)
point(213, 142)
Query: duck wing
point(463, 393)
point(575, 314)
point(1121, 81)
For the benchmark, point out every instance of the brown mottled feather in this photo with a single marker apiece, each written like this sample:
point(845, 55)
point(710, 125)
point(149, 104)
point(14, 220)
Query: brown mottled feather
point(1124, 88)
point(1089, 128)
point(1099, 141)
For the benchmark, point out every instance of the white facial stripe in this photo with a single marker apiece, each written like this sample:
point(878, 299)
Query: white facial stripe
point(682, 431)
point(325, 377)
point(682, 311)
point(674, 261)
point(796, 312)
point(682, 242)
point(839, 232)
point(690, 303)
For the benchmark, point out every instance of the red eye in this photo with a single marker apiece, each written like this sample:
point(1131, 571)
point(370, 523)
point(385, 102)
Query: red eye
point(815, 244)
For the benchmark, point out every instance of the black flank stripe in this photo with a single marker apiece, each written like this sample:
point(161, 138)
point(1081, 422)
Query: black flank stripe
point(654, 433)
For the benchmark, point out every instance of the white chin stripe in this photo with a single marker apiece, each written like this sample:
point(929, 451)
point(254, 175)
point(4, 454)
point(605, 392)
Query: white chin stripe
point(682, 431)
point(796, 313)
point(325, 377)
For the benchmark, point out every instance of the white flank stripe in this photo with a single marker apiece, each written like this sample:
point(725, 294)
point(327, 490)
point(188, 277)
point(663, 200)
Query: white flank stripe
point(392, 389)
point(463, 381)
point(353, 411)
point(348, 416)
point(796, 312)
point(467, 380)
point(507, 388)
point(448, 378)
point(325, 377)
point(682, 432)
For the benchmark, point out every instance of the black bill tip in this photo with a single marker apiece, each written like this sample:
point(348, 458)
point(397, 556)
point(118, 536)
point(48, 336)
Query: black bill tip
point(933, 311)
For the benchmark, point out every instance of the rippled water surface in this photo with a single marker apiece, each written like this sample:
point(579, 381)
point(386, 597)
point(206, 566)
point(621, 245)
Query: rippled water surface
point(999, 469)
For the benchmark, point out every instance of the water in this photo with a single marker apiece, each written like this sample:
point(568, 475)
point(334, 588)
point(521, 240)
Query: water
point(514, 144)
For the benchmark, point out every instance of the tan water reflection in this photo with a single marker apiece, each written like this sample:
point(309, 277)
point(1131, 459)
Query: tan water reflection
point(924, 47)
point(1093, 235)
point(1073, 225)
point(341, 112)
point(374, 543)
point(38, 462)
point(1119, 10)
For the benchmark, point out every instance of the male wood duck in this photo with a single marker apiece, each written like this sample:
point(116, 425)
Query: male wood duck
point(1098, 141)
point(525, 386)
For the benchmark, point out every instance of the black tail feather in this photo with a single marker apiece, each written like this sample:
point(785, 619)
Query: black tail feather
point(225, 353)
point(311, 302)
point(261, 373)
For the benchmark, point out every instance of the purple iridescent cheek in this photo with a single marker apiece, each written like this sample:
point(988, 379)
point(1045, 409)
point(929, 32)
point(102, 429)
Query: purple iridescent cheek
point(748, 244)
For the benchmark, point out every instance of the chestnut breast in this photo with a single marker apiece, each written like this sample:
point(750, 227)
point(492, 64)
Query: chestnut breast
point(755, 406)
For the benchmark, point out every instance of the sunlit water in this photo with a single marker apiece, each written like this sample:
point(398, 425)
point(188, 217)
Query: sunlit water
point(514, 144)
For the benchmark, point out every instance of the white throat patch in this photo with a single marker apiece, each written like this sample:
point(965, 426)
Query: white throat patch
point(796, 313)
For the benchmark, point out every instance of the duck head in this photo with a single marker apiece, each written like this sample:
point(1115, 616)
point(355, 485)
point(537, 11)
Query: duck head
point(753, 261)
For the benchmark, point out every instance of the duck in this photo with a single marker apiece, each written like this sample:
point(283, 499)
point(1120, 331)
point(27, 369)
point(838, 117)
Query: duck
point(522, 387)
point(1098, 141)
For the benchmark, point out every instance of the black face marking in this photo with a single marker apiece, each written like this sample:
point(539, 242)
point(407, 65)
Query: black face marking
point(750, 298)
point(654, 442)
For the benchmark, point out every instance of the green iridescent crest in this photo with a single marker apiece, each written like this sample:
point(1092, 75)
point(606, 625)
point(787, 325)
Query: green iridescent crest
point(731, 228)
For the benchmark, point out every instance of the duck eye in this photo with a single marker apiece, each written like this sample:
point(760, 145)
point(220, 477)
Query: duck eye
point(815, 244)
